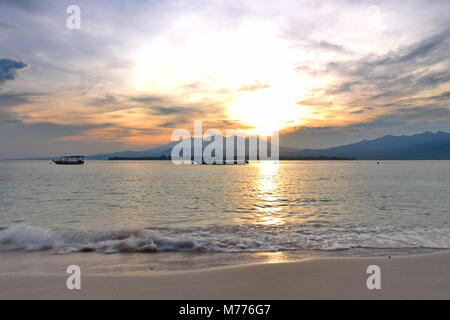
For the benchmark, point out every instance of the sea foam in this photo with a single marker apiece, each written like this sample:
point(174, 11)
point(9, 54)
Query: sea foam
point(222, 239)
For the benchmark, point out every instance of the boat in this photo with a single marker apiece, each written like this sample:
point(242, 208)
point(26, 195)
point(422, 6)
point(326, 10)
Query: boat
point(222, 162)
point(70, 160)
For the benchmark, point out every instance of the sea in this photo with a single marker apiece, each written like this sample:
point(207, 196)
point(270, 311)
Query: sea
point(132, 216)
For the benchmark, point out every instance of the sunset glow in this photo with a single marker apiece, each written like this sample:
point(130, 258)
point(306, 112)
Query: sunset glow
point(341, 70)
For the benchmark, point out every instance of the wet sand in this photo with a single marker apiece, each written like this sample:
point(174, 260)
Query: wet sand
point(408, 277)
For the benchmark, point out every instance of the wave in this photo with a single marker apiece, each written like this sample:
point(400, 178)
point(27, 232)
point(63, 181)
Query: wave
point(223, 239)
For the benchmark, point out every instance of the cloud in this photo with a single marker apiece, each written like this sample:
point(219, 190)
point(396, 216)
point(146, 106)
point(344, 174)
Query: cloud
point(443, 96)
point(410, 69)
point(8, 118)
point(105, 100)
point(408, 121)
point(9, 69)
point(176, 111)
point(6, 26)
point(253, 87)
point(325, 45)
point(411, 115)
point(93, 75)
point(168, 125)
point(26, 5)
point(14, 99)
point(358, 111)
point(184, 116)
point(162, 111)
point(45, 139)
point(10, 100)
point(397, 87)
point(319, 102)
point(146, 99)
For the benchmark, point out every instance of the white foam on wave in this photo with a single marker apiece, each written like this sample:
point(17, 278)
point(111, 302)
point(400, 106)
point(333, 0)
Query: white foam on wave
point(223, 239)
point(30, 238)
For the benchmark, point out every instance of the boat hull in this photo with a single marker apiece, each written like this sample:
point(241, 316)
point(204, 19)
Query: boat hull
point(68, 162)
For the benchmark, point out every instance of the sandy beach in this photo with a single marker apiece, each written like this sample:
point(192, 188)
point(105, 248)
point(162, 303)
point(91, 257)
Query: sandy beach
point(408, 277)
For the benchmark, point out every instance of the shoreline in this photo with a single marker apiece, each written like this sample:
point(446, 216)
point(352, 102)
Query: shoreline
point(425, 276)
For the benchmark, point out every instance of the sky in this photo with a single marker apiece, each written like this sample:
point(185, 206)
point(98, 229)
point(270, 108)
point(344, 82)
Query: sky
point(324, 73)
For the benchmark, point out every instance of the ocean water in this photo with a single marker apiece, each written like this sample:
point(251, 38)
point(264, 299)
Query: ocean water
point(266, 207)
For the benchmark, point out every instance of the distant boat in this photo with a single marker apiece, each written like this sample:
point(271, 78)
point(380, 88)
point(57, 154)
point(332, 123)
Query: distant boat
point(224, 162)
point(70, 160)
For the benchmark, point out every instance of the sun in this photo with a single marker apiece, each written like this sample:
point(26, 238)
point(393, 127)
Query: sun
point(266, 111)
point(192, 63)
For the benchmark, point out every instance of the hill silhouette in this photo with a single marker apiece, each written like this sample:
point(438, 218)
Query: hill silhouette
point(423, 146)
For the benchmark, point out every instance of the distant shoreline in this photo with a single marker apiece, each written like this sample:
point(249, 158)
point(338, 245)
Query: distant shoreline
point(281, 158)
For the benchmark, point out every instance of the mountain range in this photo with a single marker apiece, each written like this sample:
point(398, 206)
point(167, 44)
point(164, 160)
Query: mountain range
point(423, 146)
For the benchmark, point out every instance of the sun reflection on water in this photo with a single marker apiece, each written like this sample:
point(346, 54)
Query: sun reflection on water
point(270, 212)
point(272, 257)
